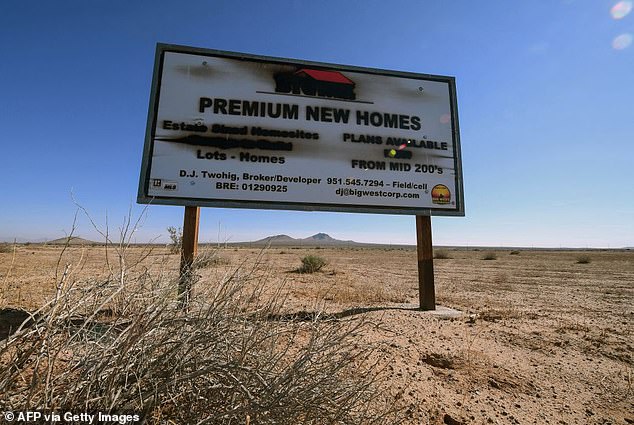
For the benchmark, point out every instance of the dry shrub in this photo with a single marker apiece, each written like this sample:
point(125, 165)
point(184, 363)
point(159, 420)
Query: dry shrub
point(442, 254)
point(490, 256)
point(176, 237)
point(312, 264)
point(514, 253)
point(210, 258)
point(5, 248)
point(583, 259)
point(120, 343)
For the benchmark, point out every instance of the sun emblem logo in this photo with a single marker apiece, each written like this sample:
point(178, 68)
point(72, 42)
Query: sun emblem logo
point(440, 194)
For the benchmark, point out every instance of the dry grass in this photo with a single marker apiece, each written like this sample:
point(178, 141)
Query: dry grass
point(359, 294)
point(6, 248)
point(494, 315)
point(225, 357)
point(210, 258)
point(119, 342)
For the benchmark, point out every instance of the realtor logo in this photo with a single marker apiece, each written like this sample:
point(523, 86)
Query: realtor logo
point(313, 82)
point(440, 194)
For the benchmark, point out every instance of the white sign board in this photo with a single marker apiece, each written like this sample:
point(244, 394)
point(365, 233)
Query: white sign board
point(235, 130)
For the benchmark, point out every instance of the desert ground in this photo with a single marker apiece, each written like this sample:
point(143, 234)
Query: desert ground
point(543, 338)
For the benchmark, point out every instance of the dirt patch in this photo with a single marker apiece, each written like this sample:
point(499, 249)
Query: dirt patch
point(543, 338)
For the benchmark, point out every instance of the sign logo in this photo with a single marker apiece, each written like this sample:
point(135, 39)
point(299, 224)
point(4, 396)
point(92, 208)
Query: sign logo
point(313, 82)
point(440, 194)
point(170, 186)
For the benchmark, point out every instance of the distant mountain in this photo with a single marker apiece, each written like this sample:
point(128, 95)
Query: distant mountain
point(314, 240)
point(325, 239)
point(277, 239)
point(320, 237)
point(73, 240)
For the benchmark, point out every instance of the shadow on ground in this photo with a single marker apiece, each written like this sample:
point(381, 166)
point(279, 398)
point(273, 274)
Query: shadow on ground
point(11, 319)
point(307, 316)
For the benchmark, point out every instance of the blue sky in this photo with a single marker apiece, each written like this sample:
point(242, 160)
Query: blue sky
point(545, 98)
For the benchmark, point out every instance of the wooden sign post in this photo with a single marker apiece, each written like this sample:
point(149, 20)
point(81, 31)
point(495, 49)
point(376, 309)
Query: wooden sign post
point(188, 253)
point(425, 251)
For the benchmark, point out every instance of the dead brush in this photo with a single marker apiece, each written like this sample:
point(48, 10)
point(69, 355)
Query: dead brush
point(583, 259)
point(494, 315)
point(442, 254)
point(120, 343)
point(490, 255)
point(209, 258)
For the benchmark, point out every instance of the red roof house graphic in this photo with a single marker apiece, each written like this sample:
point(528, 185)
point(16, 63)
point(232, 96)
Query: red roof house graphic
point(313, 82)
point(327, 76)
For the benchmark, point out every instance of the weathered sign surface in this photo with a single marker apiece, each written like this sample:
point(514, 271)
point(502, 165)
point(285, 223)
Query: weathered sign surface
point(234, 130)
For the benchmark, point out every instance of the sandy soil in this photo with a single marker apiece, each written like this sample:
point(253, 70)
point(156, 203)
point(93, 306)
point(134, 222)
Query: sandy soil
point(542, 339)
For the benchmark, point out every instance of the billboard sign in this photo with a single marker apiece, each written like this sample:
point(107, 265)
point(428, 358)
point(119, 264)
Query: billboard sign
point(235, 130)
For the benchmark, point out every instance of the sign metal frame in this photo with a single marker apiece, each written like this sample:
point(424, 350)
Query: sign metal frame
point(144, 179)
